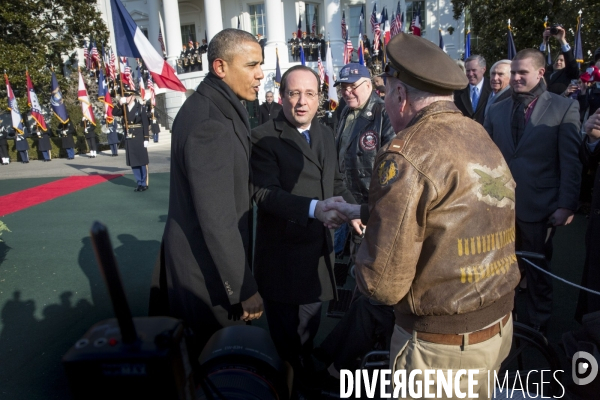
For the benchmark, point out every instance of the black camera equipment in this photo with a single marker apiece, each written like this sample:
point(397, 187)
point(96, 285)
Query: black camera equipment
point(147, 357)
point(128, 358)
point(554, 30)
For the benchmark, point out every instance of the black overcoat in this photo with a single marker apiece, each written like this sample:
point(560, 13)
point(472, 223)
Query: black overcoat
point(66, 132)
point(294, 258)
point(137, 126)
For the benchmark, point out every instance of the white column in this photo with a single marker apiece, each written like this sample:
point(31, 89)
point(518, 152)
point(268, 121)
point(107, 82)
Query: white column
point(275, 32)
point(333, 20)
point(214, 17)
point(153, 24)
point(172, 30)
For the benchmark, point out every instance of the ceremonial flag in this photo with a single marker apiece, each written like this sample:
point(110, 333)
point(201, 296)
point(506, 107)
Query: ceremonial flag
point(112, 66)
point(126, 75)
point(131, 42)
point(360, 51)
point(330, 78)
point(313, 28)
point(161, 41)
point(321, 69)
point(86, 106)
point(302, 58)
point(416, 22)
point(512, 51)
point(32, 101)
point(95, 56)
point(386, 26)
point(375, 29)
point(141, 84)
point(442, 45)
point(277, 79)
point(578, 48)
point(86, 55)
point(57, 102)
point(105, 61)
point(396, 27)
point(348, 49)
point(17, 120)
point(151, 91)
point(300, 26)
point(104, 97)
point(344, 27)
point(468, 45)
point(239, 24)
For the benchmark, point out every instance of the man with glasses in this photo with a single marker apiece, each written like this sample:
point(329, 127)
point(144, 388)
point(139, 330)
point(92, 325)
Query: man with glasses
point(295, 175)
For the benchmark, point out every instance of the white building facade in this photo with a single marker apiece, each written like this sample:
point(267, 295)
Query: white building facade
point(179, 20)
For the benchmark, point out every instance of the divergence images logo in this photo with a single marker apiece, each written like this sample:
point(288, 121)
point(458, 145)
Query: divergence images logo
point(584, 368)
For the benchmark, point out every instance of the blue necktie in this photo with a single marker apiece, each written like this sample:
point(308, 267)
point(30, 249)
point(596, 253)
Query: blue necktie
point(306, 135)
point(475, 100)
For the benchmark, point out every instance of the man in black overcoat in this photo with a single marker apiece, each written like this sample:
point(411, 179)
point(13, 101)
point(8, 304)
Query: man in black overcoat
point(294, 169)
point(269, 109)
point(66, 132)
point(204, 274)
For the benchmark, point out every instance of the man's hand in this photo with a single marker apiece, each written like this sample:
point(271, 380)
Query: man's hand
point(560, 35)
point(145, 143)
point(253, 307)
point(561, 217)
point(330, 218)
point(358, 226)
point(351, 211)
point(592, 126)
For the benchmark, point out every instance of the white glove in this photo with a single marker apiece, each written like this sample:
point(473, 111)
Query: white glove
point(123, 100)
point(145, 143)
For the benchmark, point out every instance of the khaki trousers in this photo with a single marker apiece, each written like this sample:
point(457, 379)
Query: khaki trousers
point(409, 353)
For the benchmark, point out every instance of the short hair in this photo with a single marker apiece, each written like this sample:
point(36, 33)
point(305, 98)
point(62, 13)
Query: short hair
point(501, 62)
point(283, 87)
point(476, 57)
point(461, 65)
point(226, 44)
point(268, 91)
point(537, 57)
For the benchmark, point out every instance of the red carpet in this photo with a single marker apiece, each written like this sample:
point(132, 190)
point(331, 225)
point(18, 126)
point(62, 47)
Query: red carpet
point(14, 202)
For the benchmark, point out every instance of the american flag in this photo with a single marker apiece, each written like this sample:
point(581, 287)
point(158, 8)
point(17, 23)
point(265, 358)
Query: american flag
point(126, 71)
point(161, 41)
point(151, 90)
point(344, 28)
point(141, 86)
point(321, 69)
point(313, 28)
point(95, 56)
point(112, 68)
point(348, 51)
point(376, 29)
point(396, 27)
point(86, 54)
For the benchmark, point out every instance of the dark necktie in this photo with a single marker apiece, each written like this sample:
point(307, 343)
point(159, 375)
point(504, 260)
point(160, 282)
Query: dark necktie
point(306, 135)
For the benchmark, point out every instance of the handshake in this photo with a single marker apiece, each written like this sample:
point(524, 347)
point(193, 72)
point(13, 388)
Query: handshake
point(334, 211)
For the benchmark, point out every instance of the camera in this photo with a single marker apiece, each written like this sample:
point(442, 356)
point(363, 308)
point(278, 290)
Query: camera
point(554, 29)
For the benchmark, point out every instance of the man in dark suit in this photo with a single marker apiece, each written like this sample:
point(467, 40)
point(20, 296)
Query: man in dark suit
point(471, 101)
point(295, 176)
point(204, 270)
point(499, 78)
point(538, 135)
point(269, 109)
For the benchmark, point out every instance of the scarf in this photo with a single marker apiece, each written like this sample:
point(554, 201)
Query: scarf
point(216, 83)
point(521, 102)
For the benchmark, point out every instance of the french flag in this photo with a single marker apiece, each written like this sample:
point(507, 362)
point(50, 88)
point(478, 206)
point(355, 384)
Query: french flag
point(131, 42)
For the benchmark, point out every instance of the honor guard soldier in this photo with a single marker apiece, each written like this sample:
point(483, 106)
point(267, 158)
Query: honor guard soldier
point(197, 57)
point(89, 131)
point(294, 44)
point(113, 138)
point(44, 144)
point(21, 143)
point(154, 128)
point(314, 46)
point(4, 145)
point(66, 132)
point(187, 62)
point(136, 136)
point(182, 60)
point(306, 45)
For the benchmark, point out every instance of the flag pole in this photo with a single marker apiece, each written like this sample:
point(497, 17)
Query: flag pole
point(123, 96)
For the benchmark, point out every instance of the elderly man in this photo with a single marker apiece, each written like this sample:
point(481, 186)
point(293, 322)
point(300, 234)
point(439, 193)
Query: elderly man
point(204, 271)
point(439, 245)
point(269, 109)
point(294, 171)
point(499, 77)
point(538, 134)
point(471, 100)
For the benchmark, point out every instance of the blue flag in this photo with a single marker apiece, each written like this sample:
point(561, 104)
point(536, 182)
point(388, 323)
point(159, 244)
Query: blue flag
point(468, 45)
point(102, 89)
point(302, 59)
point(442, 46)
point(277, 79)
point(512, 51)
point(57, 102)
point(578, 49)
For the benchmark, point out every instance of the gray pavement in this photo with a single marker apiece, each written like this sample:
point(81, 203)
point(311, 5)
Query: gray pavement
point(159, 154)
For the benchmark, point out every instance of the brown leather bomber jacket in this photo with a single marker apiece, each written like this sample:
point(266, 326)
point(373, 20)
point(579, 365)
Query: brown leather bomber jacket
point(439, 243)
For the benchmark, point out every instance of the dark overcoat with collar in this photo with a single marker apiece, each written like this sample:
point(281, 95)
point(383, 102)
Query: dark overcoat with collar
point(268, 111)
point(294, 257)
point(545, 163)
point(462, 100)
point(204, 258)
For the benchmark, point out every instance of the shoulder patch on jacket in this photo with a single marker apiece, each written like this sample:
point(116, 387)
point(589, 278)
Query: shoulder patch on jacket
point(396, 145)
point(387, 172)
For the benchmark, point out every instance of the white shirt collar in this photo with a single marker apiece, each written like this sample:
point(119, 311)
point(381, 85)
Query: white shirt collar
point(303, 129)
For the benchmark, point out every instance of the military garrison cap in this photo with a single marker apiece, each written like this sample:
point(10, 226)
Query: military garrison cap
point(423, 65)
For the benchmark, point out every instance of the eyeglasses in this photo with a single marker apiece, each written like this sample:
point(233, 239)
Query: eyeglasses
point(294, 94)
point(351, 88)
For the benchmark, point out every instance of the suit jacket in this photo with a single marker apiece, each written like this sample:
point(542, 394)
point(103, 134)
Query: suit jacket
point(207, 237)
point(559, 81)
point(462, 100)
point(545, 163)
point(503, 94)
point(294, 259)
point(267, 112)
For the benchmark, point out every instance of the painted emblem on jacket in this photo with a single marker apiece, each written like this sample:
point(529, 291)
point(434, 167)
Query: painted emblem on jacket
point(494, 187)
point(368, 141)
point(387, 172)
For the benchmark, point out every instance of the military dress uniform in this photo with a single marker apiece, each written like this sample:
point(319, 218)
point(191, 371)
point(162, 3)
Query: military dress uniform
point(113, 138)
point(66, 132)
point(90, 136)
point(21, 144)
point(136, 141)
point(44, 144)
point(294, 43)
point(154, 128)
point(4, 146)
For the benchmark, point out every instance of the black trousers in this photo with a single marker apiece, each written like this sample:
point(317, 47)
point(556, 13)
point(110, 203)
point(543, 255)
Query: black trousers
point(536, 237)
point(358, 331)
point(293, 328)
point(91, 143)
